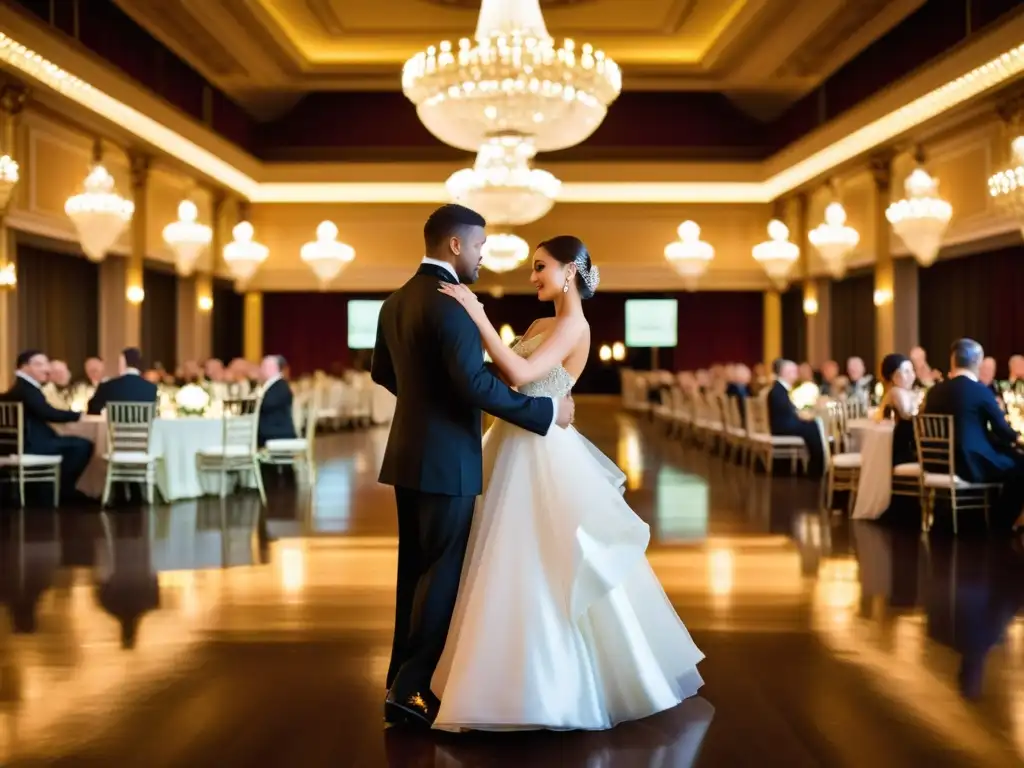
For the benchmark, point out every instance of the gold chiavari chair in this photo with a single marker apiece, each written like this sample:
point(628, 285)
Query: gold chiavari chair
point(129, 460)
point(843, 470)
point(766, 446)
point(19, 467)
point(237, 451)
point(936, 441)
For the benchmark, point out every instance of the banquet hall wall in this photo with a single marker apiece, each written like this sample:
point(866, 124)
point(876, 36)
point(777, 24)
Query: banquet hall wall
point(311, 329)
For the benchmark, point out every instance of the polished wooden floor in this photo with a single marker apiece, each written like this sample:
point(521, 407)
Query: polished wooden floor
point(205, 634)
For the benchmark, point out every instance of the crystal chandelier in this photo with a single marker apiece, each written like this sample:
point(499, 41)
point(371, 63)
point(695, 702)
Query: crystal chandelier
point(834, 239)
point(99, 213)
point(689, 256)
point(920, 219)
point(187, 237)
point(777, 255)
point(244, 256)
point(511, 79)
point(326, 256)
point(1007, 186)
point(502, 187)
point(504, 252)
point(8, 179)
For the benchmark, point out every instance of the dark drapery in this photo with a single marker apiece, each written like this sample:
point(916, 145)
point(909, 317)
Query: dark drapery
point(311, 329)
point(58, 304)
point(853, 320)
point(794, 325)
point(980, 296)
point(160, 316)
point(228, 318)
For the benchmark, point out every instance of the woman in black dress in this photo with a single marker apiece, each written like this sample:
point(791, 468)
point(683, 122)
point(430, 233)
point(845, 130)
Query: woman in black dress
point(899, 403)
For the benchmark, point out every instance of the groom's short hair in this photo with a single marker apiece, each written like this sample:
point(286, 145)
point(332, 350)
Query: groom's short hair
point(449, 221)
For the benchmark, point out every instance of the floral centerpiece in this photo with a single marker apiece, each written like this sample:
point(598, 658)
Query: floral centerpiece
point(192, 400)
point(805, 395)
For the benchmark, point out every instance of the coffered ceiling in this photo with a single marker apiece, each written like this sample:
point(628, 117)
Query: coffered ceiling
point(266, 53)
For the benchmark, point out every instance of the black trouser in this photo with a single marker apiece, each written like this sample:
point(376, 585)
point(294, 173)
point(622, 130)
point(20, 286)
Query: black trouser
point(811, 434)
point(75, 454)
point(433, 532)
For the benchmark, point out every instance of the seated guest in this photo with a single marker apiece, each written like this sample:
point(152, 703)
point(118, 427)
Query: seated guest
point(739, 388)
point(784, 420)
point(40, 437)
point(129, 387)
point(58, 388)
point(899, 404)
point(805, 373)
point(95, 372)
point(829, 374)
point(987, 376)
point(984, 440)
point(276, 421)
point(1017, 374)
point(860, 381)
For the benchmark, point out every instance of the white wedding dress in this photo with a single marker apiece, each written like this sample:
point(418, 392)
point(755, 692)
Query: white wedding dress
point(560, 622)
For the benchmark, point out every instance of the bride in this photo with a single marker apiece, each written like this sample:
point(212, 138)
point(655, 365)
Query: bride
point(560, 622)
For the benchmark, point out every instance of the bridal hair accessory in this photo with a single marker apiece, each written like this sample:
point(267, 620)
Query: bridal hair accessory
point(591, 277)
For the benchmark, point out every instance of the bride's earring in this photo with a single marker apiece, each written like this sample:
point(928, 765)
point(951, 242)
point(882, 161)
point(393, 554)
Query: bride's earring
point(565, 287)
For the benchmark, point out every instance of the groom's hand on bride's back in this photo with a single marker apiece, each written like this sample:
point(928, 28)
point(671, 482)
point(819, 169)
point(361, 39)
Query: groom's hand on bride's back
point(566, 412)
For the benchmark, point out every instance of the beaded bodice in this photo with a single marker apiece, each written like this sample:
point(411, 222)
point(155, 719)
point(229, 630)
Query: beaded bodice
point(557, 383)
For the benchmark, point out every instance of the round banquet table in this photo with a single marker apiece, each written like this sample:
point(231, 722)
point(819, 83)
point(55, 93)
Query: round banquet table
point(175, 441)
point(874, 489)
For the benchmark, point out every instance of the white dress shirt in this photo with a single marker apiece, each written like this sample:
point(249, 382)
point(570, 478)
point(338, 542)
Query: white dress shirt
point(29, 379)
point(451, 271)
point(269, 383)
point(965, 373)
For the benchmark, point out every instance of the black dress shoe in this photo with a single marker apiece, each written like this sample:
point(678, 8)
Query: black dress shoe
point(417, 708)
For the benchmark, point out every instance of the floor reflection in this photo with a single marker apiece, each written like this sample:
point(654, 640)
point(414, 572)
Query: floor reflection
point(262, 634)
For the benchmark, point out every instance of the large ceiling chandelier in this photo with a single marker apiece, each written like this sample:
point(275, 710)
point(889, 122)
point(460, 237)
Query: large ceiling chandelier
point(244, 255)
point(1007, 186)
point(834, 239)
point(187, 238)
point(777, 255)
point(512, 79)
point(920, 219)
point(689, 256)
point(504, 252)
point(326, 256)
point(99, 213)
point(502, 187)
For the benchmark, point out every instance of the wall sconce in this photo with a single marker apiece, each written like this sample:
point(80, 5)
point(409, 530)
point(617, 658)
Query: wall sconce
point(135, 294)
point(618, 351)
point(810, 306)
point(205, 303)
point(8, 277)
point(882, 297)
point(507, 335)
point(605, 353)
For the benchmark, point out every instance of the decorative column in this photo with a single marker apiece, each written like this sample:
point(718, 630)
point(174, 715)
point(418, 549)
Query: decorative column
point(12, 101)
point(253, 325)
point(906, 312)
point(818, 311)
point(772, 326)
point(885, 327)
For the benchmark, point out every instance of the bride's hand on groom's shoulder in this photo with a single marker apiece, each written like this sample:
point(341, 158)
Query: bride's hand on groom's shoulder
point(465, 297)
point(566, 412)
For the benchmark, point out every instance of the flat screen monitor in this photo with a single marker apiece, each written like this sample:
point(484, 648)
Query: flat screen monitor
point(362, 322)
point(651, 322)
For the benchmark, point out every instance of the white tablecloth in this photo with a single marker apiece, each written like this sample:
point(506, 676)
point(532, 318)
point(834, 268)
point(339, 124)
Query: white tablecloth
point(175, 441)
point(874, 490)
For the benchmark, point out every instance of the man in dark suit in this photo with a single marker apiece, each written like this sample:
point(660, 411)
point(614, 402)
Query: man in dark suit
point(985, 443)
point(40, 437)
point(429, 355)
point(276, 422)
point(129, 387)
point(785, 421)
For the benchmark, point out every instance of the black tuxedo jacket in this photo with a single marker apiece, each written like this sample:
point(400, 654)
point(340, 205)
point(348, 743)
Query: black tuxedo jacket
point(276, 421)
point(428, 354)
point(783, 418)
point(984, 438)
point(129, 388)
point(40, 438)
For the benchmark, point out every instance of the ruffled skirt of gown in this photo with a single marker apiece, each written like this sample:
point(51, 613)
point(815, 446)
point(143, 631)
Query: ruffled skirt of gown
point(560, 622)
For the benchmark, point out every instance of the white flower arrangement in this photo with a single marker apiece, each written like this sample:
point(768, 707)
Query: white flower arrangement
point(806, 395)
point(192, 400)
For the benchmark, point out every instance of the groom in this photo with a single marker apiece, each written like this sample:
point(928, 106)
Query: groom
point(428, 354)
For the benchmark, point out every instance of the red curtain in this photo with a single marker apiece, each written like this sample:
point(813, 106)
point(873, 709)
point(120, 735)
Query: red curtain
point(311, 329)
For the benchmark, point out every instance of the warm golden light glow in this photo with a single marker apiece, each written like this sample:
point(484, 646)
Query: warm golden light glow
point(8, 276)
point(882, 296)
point(605, 353)
point(135, 294)
point(969, 84)
point(507, 335)
point(721, 567)
point(618, 351)
point(205, 303)
point(810, 306)
point(629, 455)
